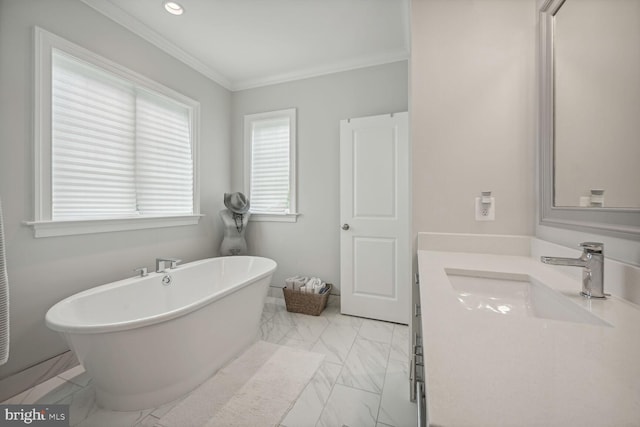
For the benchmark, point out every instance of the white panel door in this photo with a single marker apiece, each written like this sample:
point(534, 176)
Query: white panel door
point(375, 248)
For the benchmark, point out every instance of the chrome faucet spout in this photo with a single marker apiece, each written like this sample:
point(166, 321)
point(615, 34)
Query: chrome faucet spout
point(161, 264)
point(592, 263)
point(573, 262)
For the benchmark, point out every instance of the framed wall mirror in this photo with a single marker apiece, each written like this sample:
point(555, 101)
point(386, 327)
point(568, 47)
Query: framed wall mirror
point(589, 122)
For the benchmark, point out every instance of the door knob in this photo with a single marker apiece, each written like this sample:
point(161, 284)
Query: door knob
point(345, 226)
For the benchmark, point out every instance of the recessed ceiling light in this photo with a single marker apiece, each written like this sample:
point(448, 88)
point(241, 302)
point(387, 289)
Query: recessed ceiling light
point(173, 8)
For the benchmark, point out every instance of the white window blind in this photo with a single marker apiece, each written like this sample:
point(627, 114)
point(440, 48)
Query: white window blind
point(117, 150)
point(164, 168)
point(271, 175)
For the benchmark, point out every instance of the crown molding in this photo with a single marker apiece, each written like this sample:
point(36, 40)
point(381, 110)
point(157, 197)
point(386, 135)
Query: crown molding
point(337, 67)
point(121, 17)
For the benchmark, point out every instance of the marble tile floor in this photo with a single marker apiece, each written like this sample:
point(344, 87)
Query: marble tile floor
point(362, 382)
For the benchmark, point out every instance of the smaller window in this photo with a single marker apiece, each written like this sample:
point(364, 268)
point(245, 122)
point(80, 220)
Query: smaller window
point(270, 168)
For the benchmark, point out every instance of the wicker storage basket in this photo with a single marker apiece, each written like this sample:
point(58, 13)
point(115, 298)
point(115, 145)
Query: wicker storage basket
point(306, 303)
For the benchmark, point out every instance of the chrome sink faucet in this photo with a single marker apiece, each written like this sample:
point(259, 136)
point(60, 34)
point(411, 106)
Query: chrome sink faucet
point(592, 262)
point(161, 264)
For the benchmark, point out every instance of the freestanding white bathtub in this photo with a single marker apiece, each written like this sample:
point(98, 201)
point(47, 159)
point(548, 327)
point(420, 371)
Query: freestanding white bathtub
point(145, 343)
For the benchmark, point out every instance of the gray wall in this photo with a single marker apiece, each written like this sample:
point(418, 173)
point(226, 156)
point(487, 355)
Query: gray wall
point(473, 113)
point(474, 107)
point(312, 245)
point(44, 271)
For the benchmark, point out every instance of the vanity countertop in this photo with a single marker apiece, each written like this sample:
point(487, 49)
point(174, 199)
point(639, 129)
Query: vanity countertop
point(489, 369)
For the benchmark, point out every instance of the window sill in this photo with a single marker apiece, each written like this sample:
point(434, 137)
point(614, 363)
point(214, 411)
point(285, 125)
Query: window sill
point(274, 217)
point(70, 228)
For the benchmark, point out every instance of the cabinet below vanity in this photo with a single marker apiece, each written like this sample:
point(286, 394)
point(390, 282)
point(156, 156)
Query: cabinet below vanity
point(417, 387)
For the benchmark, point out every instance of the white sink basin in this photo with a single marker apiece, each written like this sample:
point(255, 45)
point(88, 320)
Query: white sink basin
point(516, 295)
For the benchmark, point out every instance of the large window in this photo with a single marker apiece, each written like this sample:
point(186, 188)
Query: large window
point(114, 150)
point(270, 178)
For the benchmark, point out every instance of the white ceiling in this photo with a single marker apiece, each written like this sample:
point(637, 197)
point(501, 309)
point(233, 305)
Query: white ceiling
point(248, 43)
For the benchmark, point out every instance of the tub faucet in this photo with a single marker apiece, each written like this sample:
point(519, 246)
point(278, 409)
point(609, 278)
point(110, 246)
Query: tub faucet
point(161, 264)
point(592, 262)
point(142, 271)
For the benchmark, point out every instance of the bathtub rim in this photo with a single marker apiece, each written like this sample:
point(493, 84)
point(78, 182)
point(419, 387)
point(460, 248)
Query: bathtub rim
point(58, 322)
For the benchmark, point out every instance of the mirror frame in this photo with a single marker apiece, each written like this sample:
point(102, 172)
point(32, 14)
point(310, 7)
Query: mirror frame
point(618, 222)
